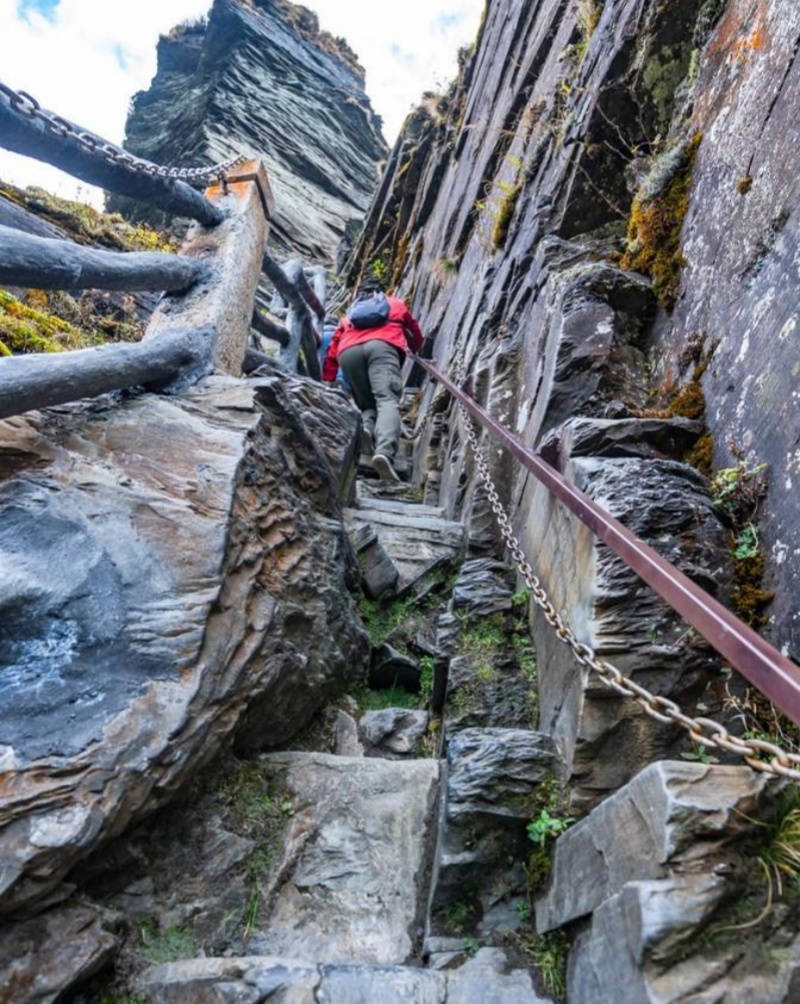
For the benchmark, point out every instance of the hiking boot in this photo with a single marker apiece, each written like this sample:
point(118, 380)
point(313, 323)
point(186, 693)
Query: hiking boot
point(367, 442)
point(383, 468)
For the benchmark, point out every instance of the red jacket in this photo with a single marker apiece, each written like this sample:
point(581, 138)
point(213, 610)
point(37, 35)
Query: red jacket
point(401, 330)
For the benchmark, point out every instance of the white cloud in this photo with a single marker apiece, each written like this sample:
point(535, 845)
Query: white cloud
point(87, 58)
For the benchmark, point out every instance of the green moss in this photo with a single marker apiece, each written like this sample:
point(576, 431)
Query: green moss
point(392, 697)
point(654, 231)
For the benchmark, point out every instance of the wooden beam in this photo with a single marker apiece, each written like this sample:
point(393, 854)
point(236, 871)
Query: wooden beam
point(222, 307)
point(30, 136)
point(46, 379)
point(299, 323)
point(269, 329)
point(47, 263)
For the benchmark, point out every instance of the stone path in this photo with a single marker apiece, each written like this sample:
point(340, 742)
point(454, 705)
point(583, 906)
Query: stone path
point(349, 918)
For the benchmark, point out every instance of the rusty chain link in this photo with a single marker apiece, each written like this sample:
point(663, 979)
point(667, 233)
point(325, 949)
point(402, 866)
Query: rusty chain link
point(704, 731)
point(27, 105)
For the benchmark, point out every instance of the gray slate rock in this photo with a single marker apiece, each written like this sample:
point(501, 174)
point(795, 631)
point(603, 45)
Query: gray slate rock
point(397, 731)
point(392, 668)
point(255, 75)
point(177, 574)
point(345, 890)
point(485, 979)
point(482, 587)
point(668, 813)
point(346, 741)
point(42, 958)
point(492, 777)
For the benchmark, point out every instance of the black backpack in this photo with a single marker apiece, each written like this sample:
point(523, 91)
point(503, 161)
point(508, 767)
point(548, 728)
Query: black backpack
point(369, 311)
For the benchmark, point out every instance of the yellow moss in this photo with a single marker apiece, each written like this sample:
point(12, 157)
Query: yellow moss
point(690, 402)
point(747, 596)
point(504, 214)
point(86, 225)
point(701, 456)
point(25, 329)
point(745, 184)
point(654, 233)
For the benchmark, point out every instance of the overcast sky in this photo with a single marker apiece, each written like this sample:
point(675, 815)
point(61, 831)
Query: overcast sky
point(85, 59)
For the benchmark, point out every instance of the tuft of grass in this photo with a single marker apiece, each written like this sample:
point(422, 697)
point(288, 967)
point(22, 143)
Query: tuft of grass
point(547, 953)
point(378, 700)
point(165, 946)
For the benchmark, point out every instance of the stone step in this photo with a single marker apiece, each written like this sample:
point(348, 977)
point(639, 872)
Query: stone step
point(414, 537)
point(346, 887)
point(400, 506)
point(485, 979)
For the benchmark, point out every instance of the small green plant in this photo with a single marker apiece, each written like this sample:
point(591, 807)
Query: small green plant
point(778, 856)
point(524, 910)
point(543, 830)
point(378, 269)
point(699, 755)
point(739, 490)
point(746, 543)
point(521, 597)
point(526, 657)
point(546, 828)
point(471, 945)
point(378, 700)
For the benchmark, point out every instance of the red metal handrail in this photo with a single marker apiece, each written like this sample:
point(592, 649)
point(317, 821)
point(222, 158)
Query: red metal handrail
point(776, 676)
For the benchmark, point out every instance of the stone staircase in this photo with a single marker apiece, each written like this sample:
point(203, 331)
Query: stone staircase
point(373, 851)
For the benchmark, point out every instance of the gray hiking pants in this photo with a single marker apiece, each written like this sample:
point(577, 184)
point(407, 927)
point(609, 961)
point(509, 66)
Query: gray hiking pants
point(373, 370)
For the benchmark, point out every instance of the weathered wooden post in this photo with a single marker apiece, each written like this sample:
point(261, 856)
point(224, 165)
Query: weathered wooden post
point(220, 309)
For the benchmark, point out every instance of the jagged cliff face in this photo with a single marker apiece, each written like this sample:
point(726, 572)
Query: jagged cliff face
point(261, 78)
point(603, 210)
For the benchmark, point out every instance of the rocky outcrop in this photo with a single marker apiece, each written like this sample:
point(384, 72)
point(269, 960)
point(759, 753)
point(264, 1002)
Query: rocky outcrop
point(665, 871)
point(260, 77)
point(175, 575)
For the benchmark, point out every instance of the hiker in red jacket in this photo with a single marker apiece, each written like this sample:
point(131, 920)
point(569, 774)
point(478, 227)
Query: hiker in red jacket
point(370, 345)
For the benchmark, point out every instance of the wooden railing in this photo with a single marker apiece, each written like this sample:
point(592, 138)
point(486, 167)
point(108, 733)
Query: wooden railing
point(206, 320)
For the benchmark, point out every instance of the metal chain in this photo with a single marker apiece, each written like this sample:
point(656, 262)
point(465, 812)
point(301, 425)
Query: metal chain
point(703, 730)
point(23, 103)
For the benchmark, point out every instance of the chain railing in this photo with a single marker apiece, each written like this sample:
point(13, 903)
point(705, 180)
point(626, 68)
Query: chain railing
point(28, 106)
point(759, 754)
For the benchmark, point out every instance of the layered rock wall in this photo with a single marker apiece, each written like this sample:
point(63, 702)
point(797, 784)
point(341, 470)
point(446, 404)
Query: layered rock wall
point(563, 158)
point(261, 78)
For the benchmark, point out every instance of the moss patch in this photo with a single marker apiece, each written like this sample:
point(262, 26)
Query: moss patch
point(28, 329)
point(86, 225)
point(654, 230)
point(505, 212)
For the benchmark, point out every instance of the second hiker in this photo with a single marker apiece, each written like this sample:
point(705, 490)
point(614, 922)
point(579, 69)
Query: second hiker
point(370, 345)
